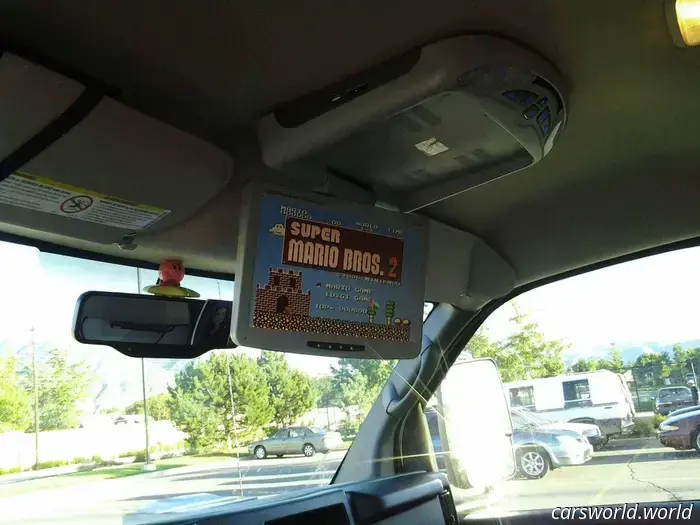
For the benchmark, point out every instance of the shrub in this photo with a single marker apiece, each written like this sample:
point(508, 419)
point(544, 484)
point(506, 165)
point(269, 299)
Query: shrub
point(51, 464)
point(349, 428)
point(657, 419)
point(643, 428)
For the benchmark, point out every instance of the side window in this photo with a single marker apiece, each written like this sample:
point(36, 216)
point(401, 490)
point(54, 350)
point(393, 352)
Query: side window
point(296, 432)
point(282, 434)
point(607, 355)
point(577, 393)
point(523, 396)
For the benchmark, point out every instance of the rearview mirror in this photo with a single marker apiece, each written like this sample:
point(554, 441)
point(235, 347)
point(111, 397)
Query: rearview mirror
point(474, 425)
point(152, 326)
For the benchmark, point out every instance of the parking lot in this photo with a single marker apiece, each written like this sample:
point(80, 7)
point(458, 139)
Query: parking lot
point(630, 471)
point(641, 472)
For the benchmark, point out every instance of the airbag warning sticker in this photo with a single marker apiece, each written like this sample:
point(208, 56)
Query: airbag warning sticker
point(40, 194)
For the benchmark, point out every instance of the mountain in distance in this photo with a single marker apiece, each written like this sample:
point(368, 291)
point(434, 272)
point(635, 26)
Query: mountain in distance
point(116, 378)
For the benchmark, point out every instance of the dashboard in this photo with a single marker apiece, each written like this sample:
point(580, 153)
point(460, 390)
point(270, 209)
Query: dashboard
point(421, 498)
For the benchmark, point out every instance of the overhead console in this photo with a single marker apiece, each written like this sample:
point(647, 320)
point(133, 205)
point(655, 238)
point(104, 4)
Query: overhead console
point(425, 125)
point(78, 163)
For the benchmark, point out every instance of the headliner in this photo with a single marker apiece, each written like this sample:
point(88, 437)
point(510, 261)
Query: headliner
point(622, 178)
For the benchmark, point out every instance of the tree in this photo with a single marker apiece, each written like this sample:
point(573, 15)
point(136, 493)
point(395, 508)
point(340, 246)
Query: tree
point(14, 402)
point(290, 395)
point(62, 387)
point(585, 365)
point(200, 400)
point(357, 382)
point(158, 407)
point(680, 358)
point(658, 366)
point(613, 362)
point(325, 392)
point(524, 354)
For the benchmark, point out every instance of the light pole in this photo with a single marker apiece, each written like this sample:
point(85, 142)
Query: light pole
point(149, 465)
point(233, 424)
point(36, 401)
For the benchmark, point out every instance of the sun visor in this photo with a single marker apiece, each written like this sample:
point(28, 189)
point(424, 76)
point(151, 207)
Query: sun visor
point(425, 125)
point(109, 173)
point(30, 97)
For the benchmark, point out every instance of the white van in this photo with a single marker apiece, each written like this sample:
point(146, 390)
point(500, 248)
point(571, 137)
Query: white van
point(600, 397)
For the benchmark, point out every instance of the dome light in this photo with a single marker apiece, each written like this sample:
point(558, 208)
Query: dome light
point(683, 18)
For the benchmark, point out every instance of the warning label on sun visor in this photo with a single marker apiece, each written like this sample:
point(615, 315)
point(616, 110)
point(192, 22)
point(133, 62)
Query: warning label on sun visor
point(44, 195)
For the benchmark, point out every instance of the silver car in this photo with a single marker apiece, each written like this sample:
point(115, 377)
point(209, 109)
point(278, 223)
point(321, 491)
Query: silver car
point(296, 440)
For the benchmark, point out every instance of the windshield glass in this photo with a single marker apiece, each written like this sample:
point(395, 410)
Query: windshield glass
point(533, 418)
point(89, 455)
point(674, 394)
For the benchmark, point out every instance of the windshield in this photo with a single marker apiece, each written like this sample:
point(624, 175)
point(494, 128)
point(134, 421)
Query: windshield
point(674, 394)
point(533, 418)
point(89, 455)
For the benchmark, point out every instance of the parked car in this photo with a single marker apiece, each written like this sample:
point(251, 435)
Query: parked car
point(680, 432)
point(595, 437)
point(537, 450)
point(671, 398)
point(131, 419)
point(685, 410)
point(601, 398)
point(296, 440)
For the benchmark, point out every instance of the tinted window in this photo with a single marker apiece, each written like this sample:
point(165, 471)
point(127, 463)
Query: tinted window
point(522, 396)
point(282, 434)
point(577, 393)
point(296, 432)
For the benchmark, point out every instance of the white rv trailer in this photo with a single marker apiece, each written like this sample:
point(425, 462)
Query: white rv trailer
point(601, 397)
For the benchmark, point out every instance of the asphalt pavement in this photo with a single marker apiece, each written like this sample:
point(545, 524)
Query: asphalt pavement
point(104, 500)
point(645, 473)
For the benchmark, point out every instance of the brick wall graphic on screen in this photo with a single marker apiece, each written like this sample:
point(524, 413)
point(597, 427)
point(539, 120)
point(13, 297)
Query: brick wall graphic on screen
point(282, 304)
point(282, 294)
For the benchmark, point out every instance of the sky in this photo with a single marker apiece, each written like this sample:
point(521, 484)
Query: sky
point(649, 300)
point(654, 299)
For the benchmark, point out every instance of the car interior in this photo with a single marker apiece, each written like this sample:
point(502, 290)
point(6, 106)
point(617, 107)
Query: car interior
point(533, 141)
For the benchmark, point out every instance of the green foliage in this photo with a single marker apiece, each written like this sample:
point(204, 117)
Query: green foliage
point(657, 419)
point(14, 402)
point(200, 401)
point(357, 382)
point(62, 387)
point(325, 392)
point(524, 354)
point(643, 428)
point(585, 365)
point(158, 407)
point(349, 428)
point(51, 464)
point(290, 392)
point(612, 362)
